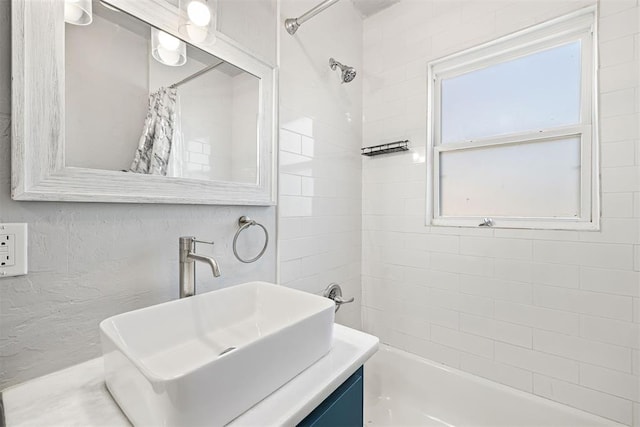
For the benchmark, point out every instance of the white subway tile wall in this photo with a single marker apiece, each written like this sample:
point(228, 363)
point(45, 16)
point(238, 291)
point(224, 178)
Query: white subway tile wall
point(555, 313)
point(320, 169)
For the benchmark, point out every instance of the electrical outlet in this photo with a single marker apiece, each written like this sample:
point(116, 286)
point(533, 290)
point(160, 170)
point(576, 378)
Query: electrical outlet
point(7, 250)
point(13, 249)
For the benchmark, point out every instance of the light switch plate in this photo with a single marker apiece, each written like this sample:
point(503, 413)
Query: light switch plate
point(13, 249)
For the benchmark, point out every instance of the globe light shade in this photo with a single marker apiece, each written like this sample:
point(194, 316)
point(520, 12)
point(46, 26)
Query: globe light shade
point(78, 12)
point(197, 20)
point(167, 49)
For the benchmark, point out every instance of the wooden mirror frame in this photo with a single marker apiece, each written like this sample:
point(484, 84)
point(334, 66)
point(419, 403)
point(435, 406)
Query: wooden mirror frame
point(38, 119)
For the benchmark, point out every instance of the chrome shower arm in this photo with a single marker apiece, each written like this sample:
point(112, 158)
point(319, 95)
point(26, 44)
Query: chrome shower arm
point(292, 24)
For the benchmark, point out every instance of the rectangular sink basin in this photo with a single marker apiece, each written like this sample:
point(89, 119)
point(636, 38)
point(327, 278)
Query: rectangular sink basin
point(206, 359)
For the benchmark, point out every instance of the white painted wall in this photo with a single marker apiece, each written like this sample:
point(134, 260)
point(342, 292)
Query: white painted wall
point(320, 168)
point(554, 313)
point(89, 261)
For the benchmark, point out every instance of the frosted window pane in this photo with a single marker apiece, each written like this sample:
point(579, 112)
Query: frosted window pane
point(537, 179)
point(538, 91)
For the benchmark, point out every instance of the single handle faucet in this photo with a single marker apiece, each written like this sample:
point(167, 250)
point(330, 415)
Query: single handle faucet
point(188, 258)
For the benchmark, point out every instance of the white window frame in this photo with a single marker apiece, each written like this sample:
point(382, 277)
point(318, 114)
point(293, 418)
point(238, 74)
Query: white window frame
point(579, 25)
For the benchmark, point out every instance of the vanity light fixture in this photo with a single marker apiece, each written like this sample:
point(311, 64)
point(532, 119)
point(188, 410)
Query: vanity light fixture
point(167, 49)
point(78, 12)
point(197, 20)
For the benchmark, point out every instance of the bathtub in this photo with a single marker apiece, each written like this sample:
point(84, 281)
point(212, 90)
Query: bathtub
point(402, 389)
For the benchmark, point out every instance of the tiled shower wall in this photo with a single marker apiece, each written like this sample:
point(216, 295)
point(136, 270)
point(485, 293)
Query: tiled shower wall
point(320, 167)
point(554, 313)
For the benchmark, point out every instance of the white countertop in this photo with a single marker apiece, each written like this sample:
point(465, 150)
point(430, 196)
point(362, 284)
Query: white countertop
point(77, 396)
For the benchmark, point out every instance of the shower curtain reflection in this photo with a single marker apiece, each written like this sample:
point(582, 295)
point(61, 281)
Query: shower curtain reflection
point(154, 146)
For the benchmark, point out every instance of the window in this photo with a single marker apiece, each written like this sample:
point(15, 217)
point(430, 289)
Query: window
point(512, 131)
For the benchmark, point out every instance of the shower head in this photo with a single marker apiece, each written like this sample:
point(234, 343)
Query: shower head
point(347, 74)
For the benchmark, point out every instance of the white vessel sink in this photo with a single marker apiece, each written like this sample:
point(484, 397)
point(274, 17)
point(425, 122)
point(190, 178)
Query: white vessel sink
point(170, 364)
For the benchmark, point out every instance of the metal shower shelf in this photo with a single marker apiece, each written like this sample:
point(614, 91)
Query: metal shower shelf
point(390, 147)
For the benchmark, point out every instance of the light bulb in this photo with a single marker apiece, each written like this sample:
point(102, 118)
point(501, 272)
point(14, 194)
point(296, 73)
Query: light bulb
point(168, 42)
point(199, 13)
point(77, 12)
point(72, 13)
point(168, 57)
point(196, 33)
point(167, 49)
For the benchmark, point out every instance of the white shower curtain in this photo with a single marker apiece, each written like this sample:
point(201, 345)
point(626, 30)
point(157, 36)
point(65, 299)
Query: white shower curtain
point(154, 147)
point(176, 159)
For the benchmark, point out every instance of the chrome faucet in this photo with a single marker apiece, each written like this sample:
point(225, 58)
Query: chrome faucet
point(188, 258)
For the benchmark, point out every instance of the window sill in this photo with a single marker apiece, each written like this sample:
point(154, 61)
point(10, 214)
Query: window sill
point(514, 223)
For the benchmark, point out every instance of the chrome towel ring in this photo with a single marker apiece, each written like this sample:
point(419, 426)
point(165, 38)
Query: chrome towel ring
point(245, 222)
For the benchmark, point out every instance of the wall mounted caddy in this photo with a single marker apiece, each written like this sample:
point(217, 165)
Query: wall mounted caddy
point(390, 147)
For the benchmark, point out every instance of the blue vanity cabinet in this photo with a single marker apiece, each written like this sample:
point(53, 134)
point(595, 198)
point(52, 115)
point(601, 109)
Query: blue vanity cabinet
point(343, 408)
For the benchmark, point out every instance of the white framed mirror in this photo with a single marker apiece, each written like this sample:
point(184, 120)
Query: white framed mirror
point(132, 108)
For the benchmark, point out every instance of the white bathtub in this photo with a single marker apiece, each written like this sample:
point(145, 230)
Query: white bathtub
point(402, 389)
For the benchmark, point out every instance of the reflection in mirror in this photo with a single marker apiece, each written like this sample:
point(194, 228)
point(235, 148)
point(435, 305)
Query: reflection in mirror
point(139, 100)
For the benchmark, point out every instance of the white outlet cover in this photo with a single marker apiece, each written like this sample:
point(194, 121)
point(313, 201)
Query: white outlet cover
point(16, 247)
